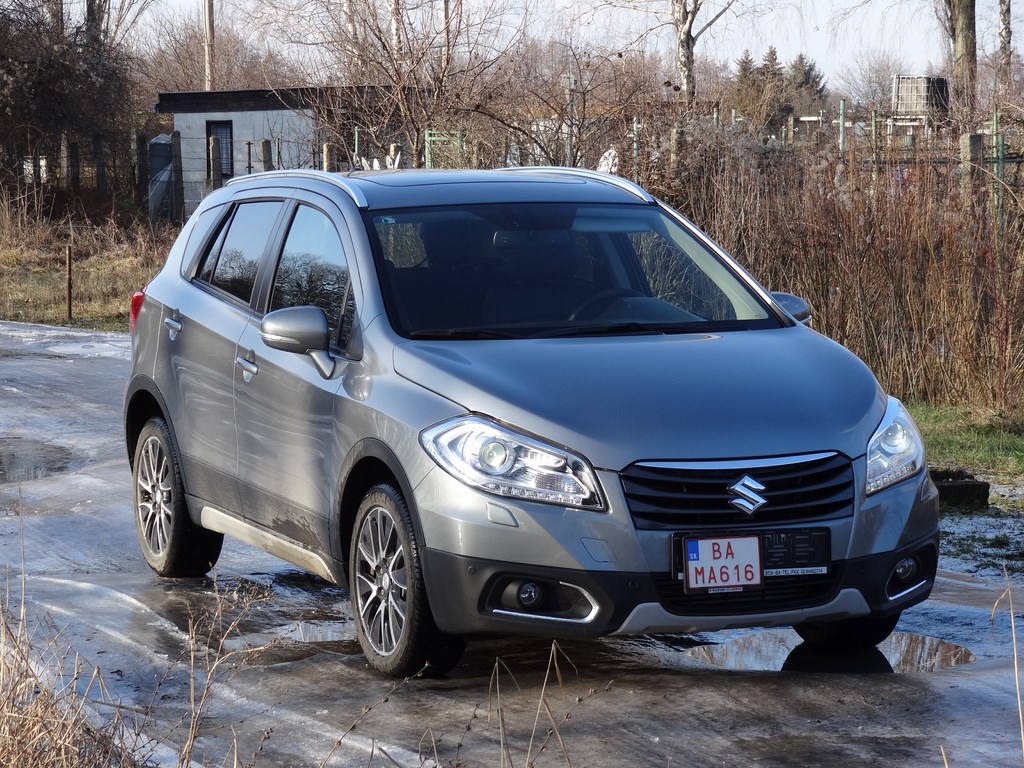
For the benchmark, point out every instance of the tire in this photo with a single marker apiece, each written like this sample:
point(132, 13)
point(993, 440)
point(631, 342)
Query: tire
point(865, 632)
point(172, 544)
point(394, 624)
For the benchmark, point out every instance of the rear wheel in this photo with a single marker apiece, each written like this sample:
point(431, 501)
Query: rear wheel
point(171, 543)
point(393, 621)
point(862, 632)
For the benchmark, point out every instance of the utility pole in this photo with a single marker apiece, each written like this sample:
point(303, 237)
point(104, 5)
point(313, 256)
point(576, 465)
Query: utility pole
point(208, 44)
point(569, 83)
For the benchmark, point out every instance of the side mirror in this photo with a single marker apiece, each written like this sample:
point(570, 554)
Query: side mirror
point(794, 305)
point(303, 331)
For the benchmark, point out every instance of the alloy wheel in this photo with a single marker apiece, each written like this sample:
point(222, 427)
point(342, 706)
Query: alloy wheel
point(155, 495)
point(381, 581)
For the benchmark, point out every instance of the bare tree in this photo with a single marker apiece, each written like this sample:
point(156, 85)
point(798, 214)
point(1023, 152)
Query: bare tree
point(174, 59)
point(867, 82)
point(957, 18)
point(570, 104)
point(687, 32)
point(114, 20)
point(1001, 84)
point(690, 20)
point(62, 79)
point(397, 67)
point(1005, 53)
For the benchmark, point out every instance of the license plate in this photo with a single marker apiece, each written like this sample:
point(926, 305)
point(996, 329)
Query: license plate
point(727, 564)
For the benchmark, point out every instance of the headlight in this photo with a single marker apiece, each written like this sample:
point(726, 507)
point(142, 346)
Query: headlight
point(895, 451)
point(496, 459)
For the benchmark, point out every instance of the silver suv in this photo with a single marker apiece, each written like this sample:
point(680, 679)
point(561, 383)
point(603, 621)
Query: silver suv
point(531, 401)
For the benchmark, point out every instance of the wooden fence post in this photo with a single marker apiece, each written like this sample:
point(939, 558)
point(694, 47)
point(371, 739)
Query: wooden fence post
point(141, 171)
point(101, 163)
point(67, 261)
point(178, 183)
point(214, 171)
point(970, 159)
point(266, 156)
point(74, 167)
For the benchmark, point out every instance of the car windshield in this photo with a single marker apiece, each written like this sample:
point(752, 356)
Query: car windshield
point(523, 270)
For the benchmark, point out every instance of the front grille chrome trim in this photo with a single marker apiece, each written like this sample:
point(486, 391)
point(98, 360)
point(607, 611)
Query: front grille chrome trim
point(737, 464)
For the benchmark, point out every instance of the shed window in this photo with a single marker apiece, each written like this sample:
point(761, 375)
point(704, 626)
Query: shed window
point(221, 129)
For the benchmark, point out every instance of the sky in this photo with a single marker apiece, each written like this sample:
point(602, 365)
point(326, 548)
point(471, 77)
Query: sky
point(816, 28)
point(907, 28)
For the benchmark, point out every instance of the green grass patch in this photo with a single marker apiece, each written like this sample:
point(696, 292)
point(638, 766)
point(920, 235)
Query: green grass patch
point(984, 443)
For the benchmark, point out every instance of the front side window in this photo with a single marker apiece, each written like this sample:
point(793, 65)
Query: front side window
point(313, 270)
point(528, 270)
point(234, 257)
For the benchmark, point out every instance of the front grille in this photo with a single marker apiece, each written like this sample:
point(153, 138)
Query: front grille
point(780, 593)
point(675, 495)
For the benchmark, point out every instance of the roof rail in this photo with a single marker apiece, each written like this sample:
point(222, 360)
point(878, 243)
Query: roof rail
point(336, 179)
point(585, 173)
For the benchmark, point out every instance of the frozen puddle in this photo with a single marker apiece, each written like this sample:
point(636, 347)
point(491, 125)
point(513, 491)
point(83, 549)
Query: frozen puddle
point(321, 632)
point(23, 459)
point(777, 650)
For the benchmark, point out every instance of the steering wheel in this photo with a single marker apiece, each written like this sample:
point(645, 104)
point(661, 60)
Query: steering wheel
point(601, 300)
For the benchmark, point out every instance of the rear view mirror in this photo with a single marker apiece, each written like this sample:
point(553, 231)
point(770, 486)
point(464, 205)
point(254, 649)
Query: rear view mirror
point(301, 330)
point(794, 305)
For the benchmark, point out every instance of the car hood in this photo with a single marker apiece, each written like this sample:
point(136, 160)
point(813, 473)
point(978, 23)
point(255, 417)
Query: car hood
point(617, 400)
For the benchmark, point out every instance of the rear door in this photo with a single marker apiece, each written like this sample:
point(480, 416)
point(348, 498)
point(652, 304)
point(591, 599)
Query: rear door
point(203, 329)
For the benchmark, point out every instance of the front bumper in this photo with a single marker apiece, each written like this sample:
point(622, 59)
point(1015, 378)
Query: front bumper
point(470, 596)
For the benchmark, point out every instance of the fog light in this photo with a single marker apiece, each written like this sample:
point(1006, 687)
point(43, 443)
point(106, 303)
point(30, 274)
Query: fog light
point(906, 569)
point(530, 595)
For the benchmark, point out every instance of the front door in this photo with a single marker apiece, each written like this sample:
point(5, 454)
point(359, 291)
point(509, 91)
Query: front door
point(285, 410)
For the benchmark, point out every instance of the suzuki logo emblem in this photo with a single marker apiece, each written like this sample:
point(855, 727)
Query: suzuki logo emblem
point(748, 495)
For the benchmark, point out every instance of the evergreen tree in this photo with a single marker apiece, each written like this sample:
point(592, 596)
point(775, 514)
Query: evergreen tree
point(773, 108)
point(766, 94)
point(746, 88)
point(806, 86)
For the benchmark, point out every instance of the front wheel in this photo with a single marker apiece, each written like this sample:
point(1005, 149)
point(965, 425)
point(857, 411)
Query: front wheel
point(862, 632)
point(393, 621)
point(171, 543)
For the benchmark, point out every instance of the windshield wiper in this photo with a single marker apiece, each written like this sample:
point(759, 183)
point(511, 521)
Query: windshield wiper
point(608, 329)
point(463, 333)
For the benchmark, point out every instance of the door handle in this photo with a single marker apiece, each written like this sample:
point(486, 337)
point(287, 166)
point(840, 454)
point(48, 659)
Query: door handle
point(174, 325)
point(249, 368)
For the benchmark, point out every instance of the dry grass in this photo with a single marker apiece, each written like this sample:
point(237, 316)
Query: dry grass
point(110, 260)
point(49, 715)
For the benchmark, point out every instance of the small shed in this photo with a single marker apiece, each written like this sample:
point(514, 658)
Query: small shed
point(241, 120)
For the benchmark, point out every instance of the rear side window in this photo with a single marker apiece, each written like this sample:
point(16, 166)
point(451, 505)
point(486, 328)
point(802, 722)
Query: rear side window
point(234, 259)
point(313, 269)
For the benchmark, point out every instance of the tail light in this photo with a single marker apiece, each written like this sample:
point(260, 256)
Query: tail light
point(137, 298)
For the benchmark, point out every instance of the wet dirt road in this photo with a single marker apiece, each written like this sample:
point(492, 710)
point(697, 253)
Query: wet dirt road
point(945, 680)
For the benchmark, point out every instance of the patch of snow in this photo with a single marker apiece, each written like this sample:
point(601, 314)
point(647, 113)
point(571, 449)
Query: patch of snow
point(72, 342)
